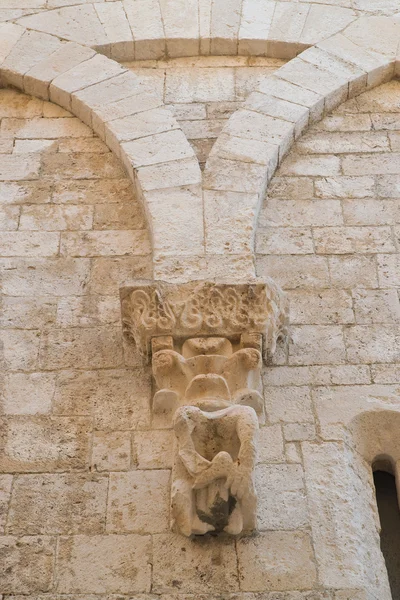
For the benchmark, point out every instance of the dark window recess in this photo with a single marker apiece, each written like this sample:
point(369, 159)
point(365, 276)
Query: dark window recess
point(389, 514)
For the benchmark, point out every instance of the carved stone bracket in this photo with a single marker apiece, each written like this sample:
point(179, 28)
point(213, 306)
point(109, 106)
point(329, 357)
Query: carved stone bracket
point(206, 342)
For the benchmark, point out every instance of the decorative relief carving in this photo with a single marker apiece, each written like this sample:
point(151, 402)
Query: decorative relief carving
point(206, 343)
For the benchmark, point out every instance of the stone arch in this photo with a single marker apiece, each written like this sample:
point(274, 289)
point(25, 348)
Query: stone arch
point(215, 237)
point(257, 137)
point(139, 30)
point(142, 134)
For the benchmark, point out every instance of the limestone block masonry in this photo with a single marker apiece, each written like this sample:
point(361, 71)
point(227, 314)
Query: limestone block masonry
point(203, 146)
point(206, 342)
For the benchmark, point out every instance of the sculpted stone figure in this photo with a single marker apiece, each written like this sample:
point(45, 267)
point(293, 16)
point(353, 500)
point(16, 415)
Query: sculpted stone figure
point(206, 345)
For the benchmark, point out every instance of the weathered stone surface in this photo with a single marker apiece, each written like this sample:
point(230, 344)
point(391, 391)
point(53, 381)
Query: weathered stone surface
point(108, 564)
point(111, 451)
point(37, 444)
point(138, 502)
point(194, 566)
point(58, 504)
point(276, 560)
point(27, 564)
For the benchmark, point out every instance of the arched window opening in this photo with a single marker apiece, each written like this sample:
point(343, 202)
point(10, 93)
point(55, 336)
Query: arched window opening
point(389, 515)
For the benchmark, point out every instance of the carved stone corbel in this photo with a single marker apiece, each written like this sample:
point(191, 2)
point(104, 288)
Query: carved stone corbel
point(206, 343)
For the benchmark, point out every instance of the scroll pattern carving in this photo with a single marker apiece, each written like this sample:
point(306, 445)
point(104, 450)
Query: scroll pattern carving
point(206, 344)
point(203, 308)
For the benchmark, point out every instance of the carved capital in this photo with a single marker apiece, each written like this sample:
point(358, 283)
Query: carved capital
point(206, 342)
point(200, 309)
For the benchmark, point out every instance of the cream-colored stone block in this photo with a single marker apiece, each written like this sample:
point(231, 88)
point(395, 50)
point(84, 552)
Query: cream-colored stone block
point(351, 271)
point(56, 217)
point(154, 449)
point(189, 85)
point(345, 187)
point(234, 176)
point(324, 21)
point(87, 73)
point(378, 34)
point(349, 240)
point(44, 128)
point(97, 347)
point(118, 216)
point(255, 24)
point(108, 273)
point(340, 509)
point(17, 168)
point(146, 123)
point(225, 23)
point(28, 394)
point(104, 243)
point(10, 33)
point(176, 220)
point(277, 560)
point(138, 502)
point(318, 166)
point(253, 125)
point(29, 244)
point(87, 311)
point(159, 148)
point(285, 240)
point(36, 312)
point(229, 221)
point(388, 270)
point(321, 308)
point(288, 404)
point(288, 22)
point(5, 493)
point(111, 451)
point(69, 55)
point(9, 217)
point(246, 150)
point(27, 564)
point(316, 344)
point(376, 306)
point(32, 48)
point(76, 23)
point(31, 146)
point(340, 375)
point(182, 35)
point(286, 90)
point(369, 164)
point(124, 564)
point(295, 271)
point(281, 497)
point(38, 444)
point(116, 26)
point(299, 432)
point(340, 143)
point(195, 564)
point(145, 20)
point(298, 213)
point(20, 349)
point(373, 343)
point(38, 277)
point(58, 503)
point(170, 174)
point(270, 444)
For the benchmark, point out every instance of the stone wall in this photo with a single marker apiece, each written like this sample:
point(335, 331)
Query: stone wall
point(71, 231)
point(85, 466)
point(329, 234)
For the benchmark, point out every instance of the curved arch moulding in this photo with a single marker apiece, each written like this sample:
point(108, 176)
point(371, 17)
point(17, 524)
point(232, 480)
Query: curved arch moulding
point(135, 125)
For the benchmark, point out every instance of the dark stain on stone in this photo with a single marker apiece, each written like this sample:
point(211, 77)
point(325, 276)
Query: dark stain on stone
point(219, 513)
